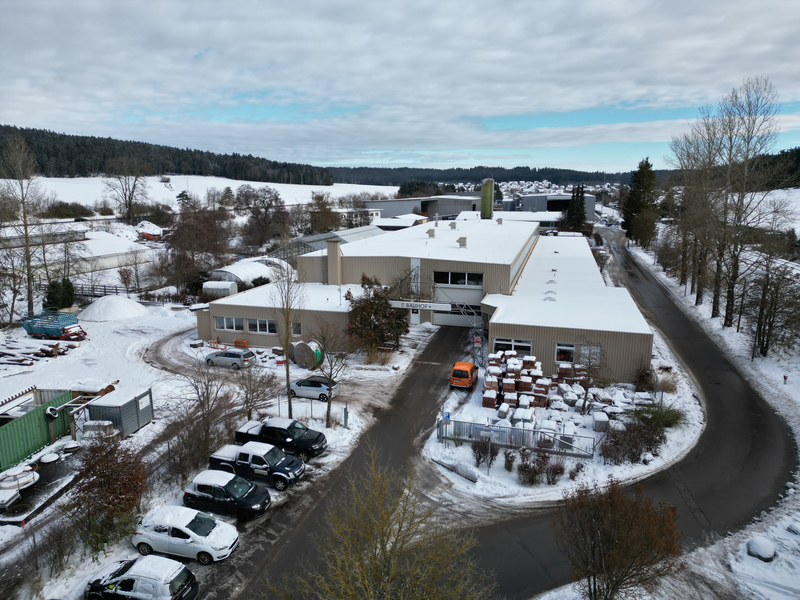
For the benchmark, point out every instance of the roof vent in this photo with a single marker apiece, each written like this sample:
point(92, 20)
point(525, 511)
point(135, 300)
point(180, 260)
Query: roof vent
point(499, 221)
point(551, 282)
point(550, 292)
point(431, 233)
point(550, 299)
point(453, 225)
point(462, 242)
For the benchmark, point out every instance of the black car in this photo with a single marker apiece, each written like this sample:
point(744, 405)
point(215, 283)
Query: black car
point(147, 577)
point(227, 494)
point(290, 436)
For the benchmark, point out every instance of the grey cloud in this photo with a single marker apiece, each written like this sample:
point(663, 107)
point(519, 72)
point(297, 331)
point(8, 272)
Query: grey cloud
point(422, 71)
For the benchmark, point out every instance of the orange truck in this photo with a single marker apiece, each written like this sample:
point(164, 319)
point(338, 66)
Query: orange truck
point(464, 375)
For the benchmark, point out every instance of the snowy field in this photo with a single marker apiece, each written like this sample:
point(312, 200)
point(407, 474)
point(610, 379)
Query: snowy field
point(120, 331)
point(88, 190)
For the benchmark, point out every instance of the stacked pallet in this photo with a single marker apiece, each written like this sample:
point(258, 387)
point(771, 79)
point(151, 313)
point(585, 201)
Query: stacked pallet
point(490, 383)
point(528, 362)
point(511, 399)
point(489, 398)
point(541, 392)
point(524, 384)
point(509, 385)
point(496, 359)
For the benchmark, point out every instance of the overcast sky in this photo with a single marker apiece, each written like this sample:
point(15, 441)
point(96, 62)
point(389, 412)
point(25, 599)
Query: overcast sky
point(587, 85)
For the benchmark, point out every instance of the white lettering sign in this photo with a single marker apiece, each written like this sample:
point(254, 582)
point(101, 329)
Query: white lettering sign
point(420, 305)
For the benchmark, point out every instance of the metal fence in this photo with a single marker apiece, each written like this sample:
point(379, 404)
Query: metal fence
point(95, 291)
point(543, 440)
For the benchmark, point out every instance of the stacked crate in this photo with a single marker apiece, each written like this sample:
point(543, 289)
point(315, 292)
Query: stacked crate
point(528, 362)
point(541, 391)
point(511, 399)
point(489, 398)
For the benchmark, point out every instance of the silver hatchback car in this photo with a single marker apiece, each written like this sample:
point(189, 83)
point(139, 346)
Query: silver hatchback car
point(235, 358)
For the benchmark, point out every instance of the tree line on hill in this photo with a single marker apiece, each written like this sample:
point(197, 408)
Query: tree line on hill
point(62, 155)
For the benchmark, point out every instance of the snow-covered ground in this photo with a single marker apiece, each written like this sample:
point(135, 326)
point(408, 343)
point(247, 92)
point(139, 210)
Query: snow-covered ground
point(88, 190)
point(504, 488)
point(724, 569)
point(120, 331)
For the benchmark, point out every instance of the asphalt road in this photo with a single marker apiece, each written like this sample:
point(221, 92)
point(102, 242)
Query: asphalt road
point(397, 434)
point(737, 469)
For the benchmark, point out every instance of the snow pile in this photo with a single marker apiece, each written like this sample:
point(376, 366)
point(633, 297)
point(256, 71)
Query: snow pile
point(761, 548)
point(113, 308)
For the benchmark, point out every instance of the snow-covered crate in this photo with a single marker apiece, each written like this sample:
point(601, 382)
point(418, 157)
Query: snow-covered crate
point(524, 384)
point(599, 421)
point(489, 398)
point(502, 412)
point(509, 385)
point(510, 398)
point(490, 383)
point(528, 362)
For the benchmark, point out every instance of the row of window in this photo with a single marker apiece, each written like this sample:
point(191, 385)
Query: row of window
point(590, 354)
point(267, 326)
point(448, 278)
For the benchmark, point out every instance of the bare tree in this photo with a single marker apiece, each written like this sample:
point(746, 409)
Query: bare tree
point(12, 276)
point(323, 217)
point(381, 540)
point(126, 186)
point(335, 365)
point(21, 189)
point(616, 543)
point(289, 296)
point(256, 387)
point(727, 175)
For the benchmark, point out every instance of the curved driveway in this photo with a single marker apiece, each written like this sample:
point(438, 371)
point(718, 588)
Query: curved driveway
point(737, 469)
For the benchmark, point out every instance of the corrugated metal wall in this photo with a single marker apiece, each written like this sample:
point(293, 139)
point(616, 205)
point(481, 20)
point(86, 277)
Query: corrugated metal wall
point(622, 353)
point(30, 433)
point(129, 417)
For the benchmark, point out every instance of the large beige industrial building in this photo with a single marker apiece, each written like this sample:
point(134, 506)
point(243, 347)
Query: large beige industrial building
point(540, 295)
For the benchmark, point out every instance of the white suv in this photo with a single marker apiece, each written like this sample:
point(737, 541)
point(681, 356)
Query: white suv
point(235, 358)
point(185, 532)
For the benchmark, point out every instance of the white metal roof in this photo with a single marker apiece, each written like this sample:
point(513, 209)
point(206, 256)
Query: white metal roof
point(516, 215)
point(561, 286)
point(487, 242)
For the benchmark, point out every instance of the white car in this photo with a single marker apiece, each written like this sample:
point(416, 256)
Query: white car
point(182, 531)
point(235, 358)
point(314, 387)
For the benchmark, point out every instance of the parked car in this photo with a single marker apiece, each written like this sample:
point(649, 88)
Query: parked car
point(463, 375)
point(314, 387)
point(147, 577)
point(185, 532)
point(290, 436)
point(227, 494)
point(235, 358)
point(260, 461)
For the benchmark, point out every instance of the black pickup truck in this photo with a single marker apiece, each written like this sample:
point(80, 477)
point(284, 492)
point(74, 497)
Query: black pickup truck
point(290, 436)
point(261, 461)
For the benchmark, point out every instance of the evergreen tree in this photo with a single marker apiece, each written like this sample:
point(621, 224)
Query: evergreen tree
point(67, 294)
point(576, 213)
point(641, 197)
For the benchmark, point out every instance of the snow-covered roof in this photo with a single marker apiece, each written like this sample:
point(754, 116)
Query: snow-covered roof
point(317, 296)
point(535, 217)
point(212, 477)
point(278, 422)
point(245, 271)
point(561, 286)
point(178, 516)
point(395, 222)
point(160, 567)
point(487, 242)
